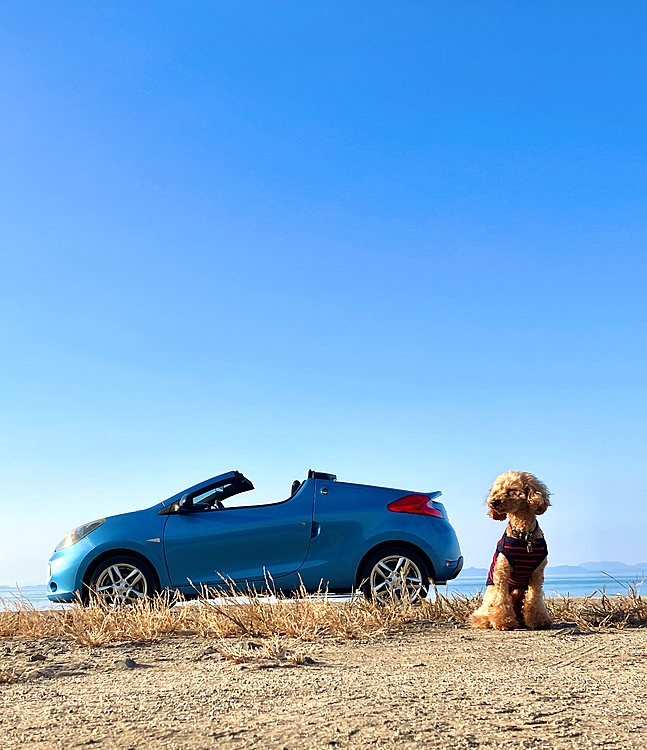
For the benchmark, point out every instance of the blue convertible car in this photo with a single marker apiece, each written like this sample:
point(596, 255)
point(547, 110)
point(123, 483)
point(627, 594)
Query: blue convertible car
point(330, 534)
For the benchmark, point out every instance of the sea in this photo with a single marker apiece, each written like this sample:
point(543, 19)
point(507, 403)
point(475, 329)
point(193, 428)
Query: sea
point(469, 584)
point(555, 586)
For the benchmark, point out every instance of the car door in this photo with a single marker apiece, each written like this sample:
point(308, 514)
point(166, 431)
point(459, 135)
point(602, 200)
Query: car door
point(239, 543)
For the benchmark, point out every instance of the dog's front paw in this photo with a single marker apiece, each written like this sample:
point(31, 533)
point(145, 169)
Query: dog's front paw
point(505, 623)
point(536, 616)
point(540, 623)
point(480, 621)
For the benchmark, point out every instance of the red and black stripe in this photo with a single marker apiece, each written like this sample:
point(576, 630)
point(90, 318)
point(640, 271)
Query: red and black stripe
point(522, 561)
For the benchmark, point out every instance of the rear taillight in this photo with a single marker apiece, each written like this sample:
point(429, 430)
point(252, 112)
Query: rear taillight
point(423, 505)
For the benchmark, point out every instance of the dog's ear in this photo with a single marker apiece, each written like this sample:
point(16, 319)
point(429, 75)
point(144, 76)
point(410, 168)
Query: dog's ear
point(537, 494)
point(495, 515)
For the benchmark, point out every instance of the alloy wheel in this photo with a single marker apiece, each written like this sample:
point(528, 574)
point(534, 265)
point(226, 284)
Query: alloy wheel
point(121, 583)
point(396, 578)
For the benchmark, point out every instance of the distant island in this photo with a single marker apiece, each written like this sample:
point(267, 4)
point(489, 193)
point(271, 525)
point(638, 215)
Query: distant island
point(583, 569)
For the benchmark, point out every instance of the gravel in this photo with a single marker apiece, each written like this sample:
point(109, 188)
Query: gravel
point(427, 687)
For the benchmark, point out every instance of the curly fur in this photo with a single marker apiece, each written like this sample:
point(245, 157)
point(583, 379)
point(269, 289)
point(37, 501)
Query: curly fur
point(519, 497)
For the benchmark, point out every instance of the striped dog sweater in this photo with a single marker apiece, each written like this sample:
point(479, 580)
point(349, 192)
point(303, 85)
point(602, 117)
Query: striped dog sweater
point(524, 558)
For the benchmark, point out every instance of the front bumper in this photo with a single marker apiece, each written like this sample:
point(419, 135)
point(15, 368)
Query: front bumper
point(64, 584)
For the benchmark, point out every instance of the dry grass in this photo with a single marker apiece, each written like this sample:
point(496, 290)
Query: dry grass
point(600, 611)
point(276, 649)
point(96, 625)
point(300, 618)
point(280, 620)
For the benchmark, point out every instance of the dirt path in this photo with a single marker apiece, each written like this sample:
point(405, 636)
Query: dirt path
point(430, 687)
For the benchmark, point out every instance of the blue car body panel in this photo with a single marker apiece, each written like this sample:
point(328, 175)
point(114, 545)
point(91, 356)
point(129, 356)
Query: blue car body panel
point(241, 544)
point(122, 534)
point(319, 537)
point(351, 520)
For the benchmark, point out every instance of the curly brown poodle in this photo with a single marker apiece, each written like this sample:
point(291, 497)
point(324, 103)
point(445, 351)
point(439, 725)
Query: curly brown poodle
point(514, 595)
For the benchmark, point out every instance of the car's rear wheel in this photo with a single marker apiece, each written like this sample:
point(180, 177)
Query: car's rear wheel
point(123, 580)
point(394, 575)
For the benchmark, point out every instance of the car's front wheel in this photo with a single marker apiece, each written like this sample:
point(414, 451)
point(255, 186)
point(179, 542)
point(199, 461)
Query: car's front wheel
point(394, 575)
point(123, 580)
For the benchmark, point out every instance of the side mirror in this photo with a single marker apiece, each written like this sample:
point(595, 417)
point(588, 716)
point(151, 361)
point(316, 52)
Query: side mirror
point(185, 504)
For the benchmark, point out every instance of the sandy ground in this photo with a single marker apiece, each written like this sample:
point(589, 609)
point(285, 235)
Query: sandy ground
point(429, 687)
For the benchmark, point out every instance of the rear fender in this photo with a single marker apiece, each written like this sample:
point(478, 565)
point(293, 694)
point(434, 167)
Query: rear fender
point(402, 544)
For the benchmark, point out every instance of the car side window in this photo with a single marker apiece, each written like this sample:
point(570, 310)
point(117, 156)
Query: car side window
point(222, 498)
point(211, 497)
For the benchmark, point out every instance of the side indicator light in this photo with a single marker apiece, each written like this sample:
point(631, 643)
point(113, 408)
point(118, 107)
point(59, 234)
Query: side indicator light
point(421, 505)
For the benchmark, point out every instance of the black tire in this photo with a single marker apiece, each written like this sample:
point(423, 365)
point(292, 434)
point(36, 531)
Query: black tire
point(384, 573)
point(123, 580)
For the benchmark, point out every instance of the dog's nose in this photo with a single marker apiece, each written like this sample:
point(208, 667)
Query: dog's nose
point(495, 503)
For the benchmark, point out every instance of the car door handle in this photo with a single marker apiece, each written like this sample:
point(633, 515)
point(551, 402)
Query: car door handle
point(316, 530)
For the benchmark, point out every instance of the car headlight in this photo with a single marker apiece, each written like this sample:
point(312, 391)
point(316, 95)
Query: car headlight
point(79, 533)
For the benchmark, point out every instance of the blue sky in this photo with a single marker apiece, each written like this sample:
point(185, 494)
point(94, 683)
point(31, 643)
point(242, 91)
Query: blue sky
point(400, 241)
